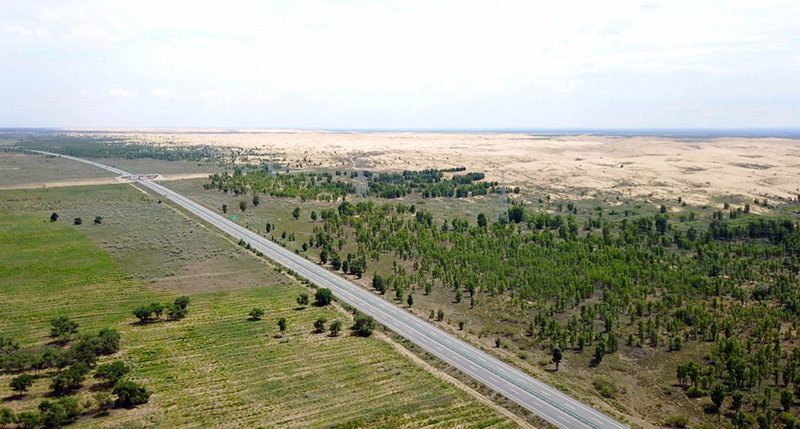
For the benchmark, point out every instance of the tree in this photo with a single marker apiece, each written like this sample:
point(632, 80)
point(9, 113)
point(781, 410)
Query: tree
point(256, 200)
point(282, 324)
point(54, 217)
point(600, 350)
point(182, 302)
point(27, 419)
point(323, 297)
point(176, 311)
point(296, 213)
point(313, 215)
point(53, 414)
point(787, 400)
point(107, 341)
point(440, 315)
point(302, 299)
point(63, 328)
point(242, 206)
point(157, 309)
point(6, 416)
point(717, 395)
point(379, 283)
point(256, 313)
point(557, 355)
point(364, 325)
point(336, 327)
point(498, 342)
point(71, 407)
point(516, 213)
point(130, 394)
point(143, 313)
point(70, 378)
point(736, 400)
point(112, 372)
point(98, 220)
point(21, 383)
point(410, 300)
point(103, 401)
point(319, 324)
point(77, 221)
point(482, 222)
point(225, 209)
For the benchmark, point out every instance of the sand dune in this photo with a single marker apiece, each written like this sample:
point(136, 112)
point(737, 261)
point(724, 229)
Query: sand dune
point(697, 170)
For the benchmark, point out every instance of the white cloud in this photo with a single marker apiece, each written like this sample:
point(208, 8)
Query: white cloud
point(420, 54)
point(121, 93)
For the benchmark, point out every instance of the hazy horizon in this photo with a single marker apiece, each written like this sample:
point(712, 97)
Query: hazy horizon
point(401, 65)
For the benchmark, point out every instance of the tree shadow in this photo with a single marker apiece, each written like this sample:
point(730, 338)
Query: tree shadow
point(552, 370)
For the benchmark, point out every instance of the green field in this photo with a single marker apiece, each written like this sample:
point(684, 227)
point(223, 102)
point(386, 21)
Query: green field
point(215, 367)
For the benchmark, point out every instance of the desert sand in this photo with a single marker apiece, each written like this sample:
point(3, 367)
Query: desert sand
point(699, 171)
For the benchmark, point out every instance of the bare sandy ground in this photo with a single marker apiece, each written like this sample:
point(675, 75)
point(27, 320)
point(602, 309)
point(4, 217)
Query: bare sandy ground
point(98, 181)
point(650, 167)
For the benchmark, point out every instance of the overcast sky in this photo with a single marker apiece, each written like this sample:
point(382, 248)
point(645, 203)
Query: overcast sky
point(400, 65)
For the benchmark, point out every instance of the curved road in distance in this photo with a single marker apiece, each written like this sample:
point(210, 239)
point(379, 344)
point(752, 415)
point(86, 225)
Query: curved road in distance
point(543, 400)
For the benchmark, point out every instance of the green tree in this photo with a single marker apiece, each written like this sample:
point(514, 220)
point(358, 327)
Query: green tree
point(54, 217)
point(482, 222)
point(6, 416)
point(319, 324)
point(440, 315)
point(98, 220)
point(63, 328)
point(516, 213)
point(242, 206)
point(379, 283)
point(256, 313)
point(410, 300)
point(736, 400)
point(157, 309)
point(296, 213)
point(600, 351)
point(77, 221)
point(103, 401)
point(787, 400)
point(53, 414)
point(112, 372)
point(717, 395)
point(256, 200)
point(21, 383)
point(557, 355)
point(182, 302)
point(364, 325)
point(129, 394)
point(498, 342)
point(27, 419)
point(336, 327)
point(323, 297)
point(302, 299)
point(225, 209)
point(176, 311)
point(313, 215)
point(282, 324)
point(71, 407)
point(143, 313)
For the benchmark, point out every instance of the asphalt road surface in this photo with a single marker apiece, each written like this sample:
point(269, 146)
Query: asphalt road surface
point(543, 400)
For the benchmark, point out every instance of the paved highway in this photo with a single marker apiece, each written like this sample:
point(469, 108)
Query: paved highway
point(543, 400)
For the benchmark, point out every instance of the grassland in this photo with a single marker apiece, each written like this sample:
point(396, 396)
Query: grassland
point(215, 367)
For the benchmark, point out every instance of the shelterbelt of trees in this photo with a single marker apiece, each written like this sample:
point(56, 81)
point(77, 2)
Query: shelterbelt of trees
point(327, 186)
point(633, 282)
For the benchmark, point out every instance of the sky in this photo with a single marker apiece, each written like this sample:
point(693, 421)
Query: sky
point(400, 65)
